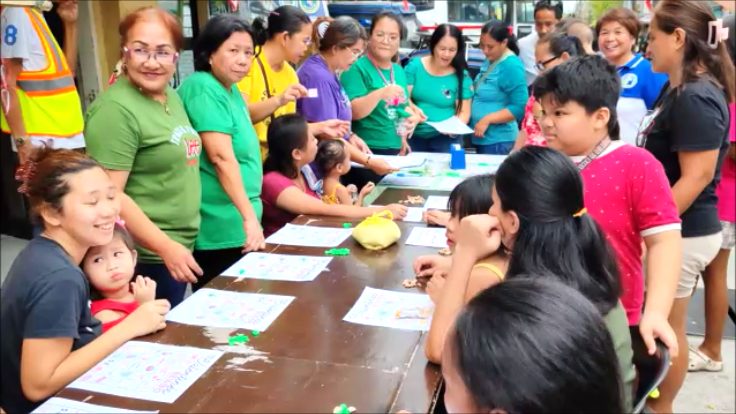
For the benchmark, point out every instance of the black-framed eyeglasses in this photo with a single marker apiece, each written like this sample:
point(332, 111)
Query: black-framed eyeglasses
point(541, 66)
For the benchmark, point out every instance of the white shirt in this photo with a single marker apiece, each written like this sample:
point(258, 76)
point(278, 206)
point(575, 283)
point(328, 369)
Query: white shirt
point(526, 49)
point(20, 41)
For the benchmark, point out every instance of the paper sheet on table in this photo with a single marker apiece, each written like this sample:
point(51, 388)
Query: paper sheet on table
point(225, 309)
point(436, 203)
point(449, 183)
point(399, 162)
point(414, 215)
point(63, 405)
point(428, 237)
point(389, 309)
point(148, 371)
point(451, 126)
point(407, 181)
point(308, 236)
point(278, 267)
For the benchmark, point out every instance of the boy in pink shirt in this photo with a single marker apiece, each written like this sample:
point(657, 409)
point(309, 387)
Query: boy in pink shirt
point(707, 357)
point(626, 189)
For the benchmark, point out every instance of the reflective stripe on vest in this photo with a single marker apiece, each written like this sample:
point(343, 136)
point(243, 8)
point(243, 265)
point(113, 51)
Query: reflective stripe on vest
point(48, 98)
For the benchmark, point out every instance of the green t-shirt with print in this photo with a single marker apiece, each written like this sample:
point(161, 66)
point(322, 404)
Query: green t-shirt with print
point(212, 108)
point(436, 96)
point(128, 131)
point(378, 129)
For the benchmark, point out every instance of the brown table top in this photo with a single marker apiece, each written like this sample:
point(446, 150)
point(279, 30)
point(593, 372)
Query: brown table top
point(309, 359)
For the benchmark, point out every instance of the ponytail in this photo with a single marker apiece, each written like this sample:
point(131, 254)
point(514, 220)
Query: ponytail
point(286, 18)
point(260, 31)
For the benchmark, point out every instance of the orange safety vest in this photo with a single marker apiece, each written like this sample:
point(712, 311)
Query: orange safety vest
point(48, 98)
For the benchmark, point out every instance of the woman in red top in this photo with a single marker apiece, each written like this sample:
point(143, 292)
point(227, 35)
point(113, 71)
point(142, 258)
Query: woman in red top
point(110, 269)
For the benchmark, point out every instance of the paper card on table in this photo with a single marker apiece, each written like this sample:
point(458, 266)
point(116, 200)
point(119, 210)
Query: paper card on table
point(414, 215)
point(308, 236)
point(407, 181)
point(63, 405)
point(278, 267)
point(225, 309)
point(449, 183)
point(451, 126)
point(399, 310)
point(436, 202)
point(428, 237)
point(312, 93)
point(399, 162)
point(148, 371)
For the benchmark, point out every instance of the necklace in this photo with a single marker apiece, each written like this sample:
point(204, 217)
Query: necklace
point(164, 103)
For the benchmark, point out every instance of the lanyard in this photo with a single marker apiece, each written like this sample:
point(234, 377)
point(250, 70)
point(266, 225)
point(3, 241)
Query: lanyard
point(597, 151)
point(380, 72)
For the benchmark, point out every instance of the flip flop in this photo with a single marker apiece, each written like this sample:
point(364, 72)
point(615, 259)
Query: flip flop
point(700, 362)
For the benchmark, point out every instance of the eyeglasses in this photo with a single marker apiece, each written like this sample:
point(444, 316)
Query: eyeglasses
point(383, 37)
point(356, 53)
point(164, 57)
point(541, 66)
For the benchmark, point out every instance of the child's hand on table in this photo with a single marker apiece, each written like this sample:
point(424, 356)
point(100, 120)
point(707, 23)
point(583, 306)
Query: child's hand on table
point(144, 289)
point(367, 189)
point(436, 217)
point(149, 318)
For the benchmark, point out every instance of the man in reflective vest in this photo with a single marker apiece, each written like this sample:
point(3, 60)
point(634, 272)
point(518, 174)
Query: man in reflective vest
point(39, 98)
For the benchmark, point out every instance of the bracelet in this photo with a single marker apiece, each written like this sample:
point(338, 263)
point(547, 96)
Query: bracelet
point(367, 161)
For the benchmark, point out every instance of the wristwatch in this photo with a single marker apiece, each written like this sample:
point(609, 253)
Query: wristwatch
point(20, 141)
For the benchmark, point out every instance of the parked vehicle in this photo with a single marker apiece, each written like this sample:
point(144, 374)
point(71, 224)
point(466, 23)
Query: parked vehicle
point(363, 12)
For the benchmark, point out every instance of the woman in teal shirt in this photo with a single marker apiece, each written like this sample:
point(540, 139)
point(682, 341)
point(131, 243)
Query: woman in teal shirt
point(230, 169)
point(376, 87)
point(500, 91)
point(445, 88)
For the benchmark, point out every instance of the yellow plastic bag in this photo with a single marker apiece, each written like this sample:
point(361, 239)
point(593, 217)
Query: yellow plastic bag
point(377, 232)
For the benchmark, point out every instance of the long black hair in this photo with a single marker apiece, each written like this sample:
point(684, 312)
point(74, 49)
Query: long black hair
point(513, 343)
point(545, 189)
point(286, 18)
point(286, 133)
point(500, 31)
point(216, 32)
point(472, 196)
point(458, 63)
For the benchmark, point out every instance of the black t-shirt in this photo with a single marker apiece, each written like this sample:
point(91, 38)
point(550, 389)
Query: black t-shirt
point(695, 118)
point(45, 295)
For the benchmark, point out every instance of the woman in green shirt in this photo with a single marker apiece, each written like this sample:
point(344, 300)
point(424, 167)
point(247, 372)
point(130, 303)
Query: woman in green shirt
point(230, 169)
point(376, 87)
point(138, 130)
point(445, 88)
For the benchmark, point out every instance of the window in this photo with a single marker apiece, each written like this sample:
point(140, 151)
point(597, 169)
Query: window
point(477, 11)
point(524, 11)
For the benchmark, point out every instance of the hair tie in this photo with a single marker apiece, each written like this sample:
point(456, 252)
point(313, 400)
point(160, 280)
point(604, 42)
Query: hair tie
point(322, 28)
point(24, 174)
point(716, 33)
point(511, 30)
point(581, 212)
point(275, 13)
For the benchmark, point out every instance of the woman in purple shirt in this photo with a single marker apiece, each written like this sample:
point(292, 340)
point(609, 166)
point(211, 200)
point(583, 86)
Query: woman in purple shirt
point(340, 42)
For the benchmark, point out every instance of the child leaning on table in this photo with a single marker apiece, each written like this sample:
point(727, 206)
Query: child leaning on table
point(110, 269)
point(333, 161)
point(470, 197)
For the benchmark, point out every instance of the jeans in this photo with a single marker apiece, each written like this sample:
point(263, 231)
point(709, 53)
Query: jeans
point(436, 144)
point(213, 263)
point(166, 287)
point(362, 176)
point(501, 148)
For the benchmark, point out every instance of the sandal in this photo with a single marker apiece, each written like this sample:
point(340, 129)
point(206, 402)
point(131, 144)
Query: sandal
point(700, 362)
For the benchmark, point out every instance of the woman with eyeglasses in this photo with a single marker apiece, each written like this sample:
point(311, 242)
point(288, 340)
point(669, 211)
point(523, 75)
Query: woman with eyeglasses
point(230, 168)
point(551, 50)
point(340, 43)
point(139, 131)
point(272, 87)
point(376, 86)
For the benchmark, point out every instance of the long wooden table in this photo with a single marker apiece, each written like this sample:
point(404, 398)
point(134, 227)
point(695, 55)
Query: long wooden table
point(309, 359)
